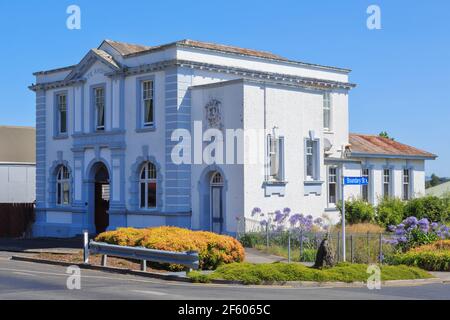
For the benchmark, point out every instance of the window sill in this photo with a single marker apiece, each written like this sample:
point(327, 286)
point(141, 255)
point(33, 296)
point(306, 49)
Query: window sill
point(275, 183)
point(273, 188)
point(314, 182)
point(328, 131)
point(313, 187)
point(146, 129)
point(61, 136)
point(331, 209)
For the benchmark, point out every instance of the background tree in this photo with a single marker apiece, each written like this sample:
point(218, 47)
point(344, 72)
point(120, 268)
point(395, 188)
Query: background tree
point(384, 134)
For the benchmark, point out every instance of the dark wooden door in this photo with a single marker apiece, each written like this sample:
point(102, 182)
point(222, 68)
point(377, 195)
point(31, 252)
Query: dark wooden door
point(101, 207)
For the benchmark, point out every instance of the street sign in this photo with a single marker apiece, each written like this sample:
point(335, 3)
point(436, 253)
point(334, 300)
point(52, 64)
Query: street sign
point(349, 181)
point(356, 181)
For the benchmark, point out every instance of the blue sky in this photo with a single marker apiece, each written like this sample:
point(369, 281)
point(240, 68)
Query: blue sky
point(402, 71)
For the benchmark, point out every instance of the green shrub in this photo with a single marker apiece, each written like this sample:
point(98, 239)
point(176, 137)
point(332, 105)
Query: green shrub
point(390, 211)
point(358, 211)
point(280, 272)
point(430, 207)
point(438, 260)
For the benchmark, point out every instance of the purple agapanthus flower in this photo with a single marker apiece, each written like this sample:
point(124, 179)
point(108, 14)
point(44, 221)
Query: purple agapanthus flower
point(256, 211)
point(424, 225)
point(411, 221)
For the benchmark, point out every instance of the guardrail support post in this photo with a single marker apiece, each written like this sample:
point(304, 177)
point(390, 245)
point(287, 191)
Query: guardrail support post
point(144, 265)
point(104, 260)
point(85, 247)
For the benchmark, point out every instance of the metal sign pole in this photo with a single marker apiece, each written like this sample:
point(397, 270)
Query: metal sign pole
point(343, 220)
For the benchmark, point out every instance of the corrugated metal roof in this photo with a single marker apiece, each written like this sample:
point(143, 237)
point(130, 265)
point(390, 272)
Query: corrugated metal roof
point(439, 190)
point(17, 144)
point(127, 48)
point(376, 145)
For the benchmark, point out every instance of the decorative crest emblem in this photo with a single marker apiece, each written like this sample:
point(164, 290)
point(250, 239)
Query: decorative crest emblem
point(213, 114)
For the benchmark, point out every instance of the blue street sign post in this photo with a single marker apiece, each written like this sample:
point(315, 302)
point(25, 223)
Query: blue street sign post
point(349, 181)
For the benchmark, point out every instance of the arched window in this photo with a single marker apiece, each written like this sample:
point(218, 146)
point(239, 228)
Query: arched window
point(217, 180)
point(147, 183)
point(63, 186)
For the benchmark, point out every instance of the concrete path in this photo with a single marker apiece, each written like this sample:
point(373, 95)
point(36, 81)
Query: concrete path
point(255, 256)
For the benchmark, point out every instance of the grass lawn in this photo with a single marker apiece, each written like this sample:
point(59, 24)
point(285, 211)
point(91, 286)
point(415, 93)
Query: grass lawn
point(267, 273)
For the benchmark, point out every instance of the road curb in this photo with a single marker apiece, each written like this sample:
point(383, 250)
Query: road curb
point(306, 284)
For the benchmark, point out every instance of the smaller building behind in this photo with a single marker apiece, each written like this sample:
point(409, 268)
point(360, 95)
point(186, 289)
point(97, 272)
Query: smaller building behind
point(17, 164)
point(439, 190)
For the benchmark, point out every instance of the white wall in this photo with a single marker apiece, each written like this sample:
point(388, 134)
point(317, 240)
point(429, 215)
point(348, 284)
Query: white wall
point(17, 183)
point(295, 112)
point(231, 97)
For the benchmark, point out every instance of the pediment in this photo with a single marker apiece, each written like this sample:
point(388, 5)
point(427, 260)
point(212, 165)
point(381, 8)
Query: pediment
point(93, 56)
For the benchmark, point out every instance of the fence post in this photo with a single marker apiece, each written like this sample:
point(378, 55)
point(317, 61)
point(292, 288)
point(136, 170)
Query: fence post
point(338, 246)
point(144, 265)
point(315, 241)
point(301, 245)
point(351, 249)
point(267, 236)
point(381, 248)
point(85, 247)
point(289, 247)
point(368, 247)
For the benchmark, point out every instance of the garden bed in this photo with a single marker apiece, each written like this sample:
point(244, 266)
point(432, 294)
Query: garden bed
point(95, 260)
point(282, 272)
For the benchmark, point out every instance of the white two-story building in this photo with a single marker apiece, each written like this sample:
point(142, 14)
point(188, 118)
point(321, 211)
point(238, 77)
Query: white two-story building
point(196, 135)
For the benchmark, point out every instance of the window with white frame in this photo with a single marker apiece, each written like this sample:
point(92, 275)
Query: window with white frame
point(311, 159)
point(275, 156)
point(99, 99)
point(62, 113)
point(332, 185)
point(386, 183)
point(327, 111)
point(365, 188)
point(406, 184)
point(148, 185)
point(147, 103)
point(63, 186)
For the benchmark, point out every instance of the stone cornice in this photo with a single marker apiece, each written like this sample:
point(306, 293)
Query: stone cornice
point(260, 76)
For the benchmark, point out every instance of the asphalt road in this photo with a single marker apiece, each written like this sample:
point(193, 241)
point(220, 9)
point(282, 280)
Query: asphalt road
point(23, 280)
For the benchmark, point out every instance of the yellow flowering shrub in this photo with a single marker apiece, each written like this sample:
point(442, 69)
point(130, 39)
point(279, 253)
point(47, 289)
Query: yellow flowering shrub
point(214, 250)
point(441, 245)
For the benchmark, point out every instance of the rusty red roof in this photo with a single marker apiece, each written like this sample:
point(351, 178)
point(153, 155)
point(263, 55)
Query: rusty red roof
point(376, 145)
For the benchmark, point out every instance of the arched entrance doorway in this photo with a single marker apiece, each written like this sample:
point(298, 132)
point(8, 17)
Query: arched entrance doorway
point(217, 202)
point(101, 198)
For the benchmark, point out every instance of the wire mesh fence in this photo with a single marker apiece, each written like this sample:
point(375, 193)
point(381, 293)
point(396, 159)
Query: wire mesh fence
point(299, 246)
